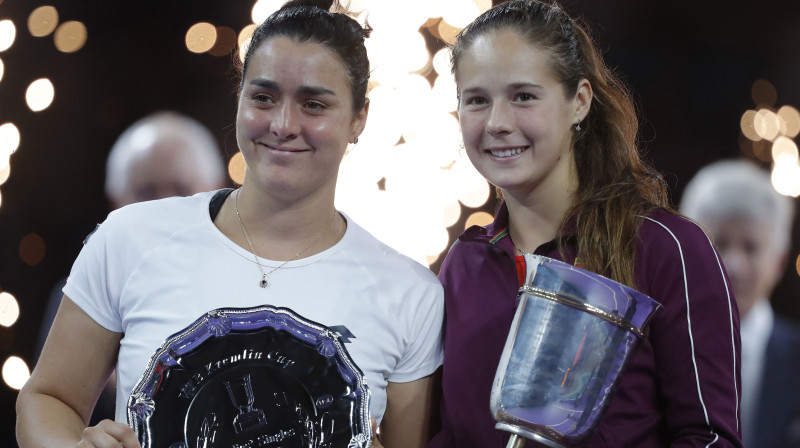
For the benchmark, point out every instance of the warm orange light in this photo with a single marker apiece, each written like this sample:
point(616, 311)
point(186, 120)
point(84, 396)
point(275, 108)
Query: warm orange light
point(201, 37)
point(747, 124)
point(478, 219)
point(797, 265)
point(70, 36)
point(764, 93)
point(767, 124)
point(42, 21)
point(447, 32)
point(791, 117)
point(226, 41)
point(237, 167)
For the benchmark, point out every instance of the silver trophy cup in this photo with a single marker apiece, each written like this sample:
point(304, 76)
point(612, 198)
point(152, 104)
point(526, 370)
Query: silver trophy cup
point(571, 336)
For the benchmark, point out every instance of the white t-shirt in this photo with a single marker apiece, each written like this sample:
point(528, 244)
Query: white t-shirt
point(153, 268)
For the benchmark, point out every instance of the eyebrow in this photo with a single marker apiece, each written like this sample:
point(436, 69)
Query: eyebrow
point(305, 90)
point(514, 86)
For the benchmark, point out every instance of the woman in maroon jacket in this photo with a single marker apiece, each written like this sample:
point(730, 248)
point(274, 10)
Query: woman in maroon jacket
point(546, 122)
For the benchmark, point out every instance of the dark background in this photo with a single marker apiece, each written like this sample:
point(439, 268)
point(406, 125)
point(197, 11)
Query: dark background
point(691, 66)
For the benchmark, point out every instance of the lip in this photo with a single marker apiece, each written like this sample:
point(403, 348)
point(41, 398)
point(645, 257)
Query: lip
point(506, 152)
point(286, 149)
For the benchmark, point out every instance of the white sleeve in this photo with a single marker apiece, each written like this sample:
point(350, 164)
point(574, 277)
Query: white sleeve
point(96, 279)
point(424, 351)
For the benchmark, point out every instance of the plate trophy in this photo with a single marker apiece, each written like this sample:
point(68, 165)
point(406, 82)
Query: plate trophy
point(251, 377)
point(571, 336)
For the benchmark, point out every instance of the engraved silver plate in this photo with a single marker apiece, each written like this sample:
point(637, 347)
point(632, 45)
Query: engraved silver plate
point(251, 377)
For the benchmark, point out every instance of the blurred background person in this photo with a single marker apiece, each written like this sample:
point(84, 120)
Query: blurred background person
point(750, 224)
point(161, 155)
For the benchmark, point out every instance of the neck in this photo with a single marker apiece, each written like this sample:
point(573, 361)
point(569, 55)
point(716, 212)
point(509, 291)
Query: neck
point(535, 218)
point(277, 231)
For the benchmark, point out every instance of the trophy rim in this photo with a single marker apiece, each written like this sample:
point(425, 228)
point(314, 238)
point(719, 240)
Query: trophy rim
point(141, 401)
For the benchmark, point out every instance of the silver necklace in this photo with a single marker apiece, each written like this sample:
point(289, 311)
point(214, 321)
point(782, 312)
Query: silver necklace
point(263, 283)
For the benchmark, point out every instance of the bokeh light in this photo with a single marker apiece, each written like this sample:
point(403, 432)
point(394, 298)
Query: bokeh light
point(225, 43)
point(786, 179)
point(42, 21)
point(15, 372)
point(441, 61)
point(32, 249)
point(478, 219)
point(747, 124)
point(791, 117)
point(9, 140)
point(263, 8)
point(70, 36)
point(447, 32)
point(237, 168)
point(8, 33)
point(2, 69)
point(784, 151)
point(764, 93)
point(243, 41)
point(9, 309)
point(767, 124)
point(459, 13)
point(201, 37)
point(40, 94)
point(5, 172)
point(797, 265)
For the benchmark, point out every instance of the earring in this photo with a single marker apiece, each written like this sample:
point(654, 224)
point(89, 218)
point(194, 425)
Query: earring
point(578, 127)
point(355, 140)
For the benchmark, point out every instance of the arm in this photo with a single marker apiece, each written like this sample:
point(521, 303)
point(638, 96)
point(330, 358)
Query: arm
point(409, 411)
point(56, 403)
point(695, 340)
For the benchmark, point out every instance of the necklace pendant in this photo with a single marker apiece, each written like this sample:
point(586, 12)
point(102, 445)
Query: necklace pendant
point(263, 282)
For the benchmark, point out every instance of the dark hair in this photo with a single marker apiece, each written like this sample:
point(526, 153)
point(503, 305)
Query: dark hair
point(311, 20)
point(615, 186)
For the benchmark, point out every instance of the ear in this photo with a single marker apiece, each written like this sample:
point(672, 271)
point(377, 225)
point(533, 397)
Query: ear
point(359, 121)
point(583, 100)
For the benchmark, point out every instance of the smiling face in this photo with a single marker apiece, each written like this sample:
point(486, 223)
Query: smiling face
point(295, 118)
point(515, 118)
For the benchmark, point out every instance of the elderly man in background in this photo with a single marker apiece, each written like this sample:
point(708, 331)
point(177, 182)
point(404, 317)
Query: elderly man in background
point(751, 225)
point(161, 155)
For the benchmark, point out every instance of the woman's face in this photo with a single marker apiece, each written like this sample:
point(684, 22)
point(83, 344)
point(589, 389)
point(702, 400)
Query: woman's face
point(295, 117)
point(515, 118)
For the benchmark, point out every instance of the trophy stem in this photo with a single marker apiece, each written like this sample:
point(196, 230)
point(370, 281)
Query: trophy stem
point(515, 441)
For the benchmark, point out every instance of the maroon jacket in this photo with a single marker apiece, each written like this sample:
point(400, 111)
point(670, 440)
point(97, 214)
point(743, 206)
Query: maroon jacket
point(681, 385)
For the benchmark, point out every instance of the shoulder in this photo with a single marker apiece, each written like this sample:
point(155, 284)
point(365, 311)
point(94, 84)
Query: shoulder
point(663, 227)
point(674, 250)
point(386, 262)
point(147, 220)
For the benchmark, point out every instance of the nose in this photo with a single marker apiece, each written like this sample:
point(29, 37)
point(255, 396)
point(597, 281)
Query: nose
point(285, 123)
point(501, 119)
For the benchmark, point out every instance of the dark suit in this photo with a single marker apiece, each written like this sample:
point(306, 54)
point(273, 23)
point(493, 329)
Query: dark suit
point(777, 420)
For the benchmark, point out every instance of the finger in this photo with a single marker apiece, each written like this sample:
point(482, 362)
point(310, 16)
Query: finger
point(109, 434)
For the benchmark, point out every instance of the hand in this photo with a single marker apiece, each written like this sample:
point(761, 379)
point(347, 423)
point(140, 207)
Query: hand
point(376, 443)
point(108, 434)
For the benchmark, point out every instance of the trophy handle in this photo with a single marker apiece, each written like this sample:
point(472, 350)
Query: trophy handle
point(515, 441)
